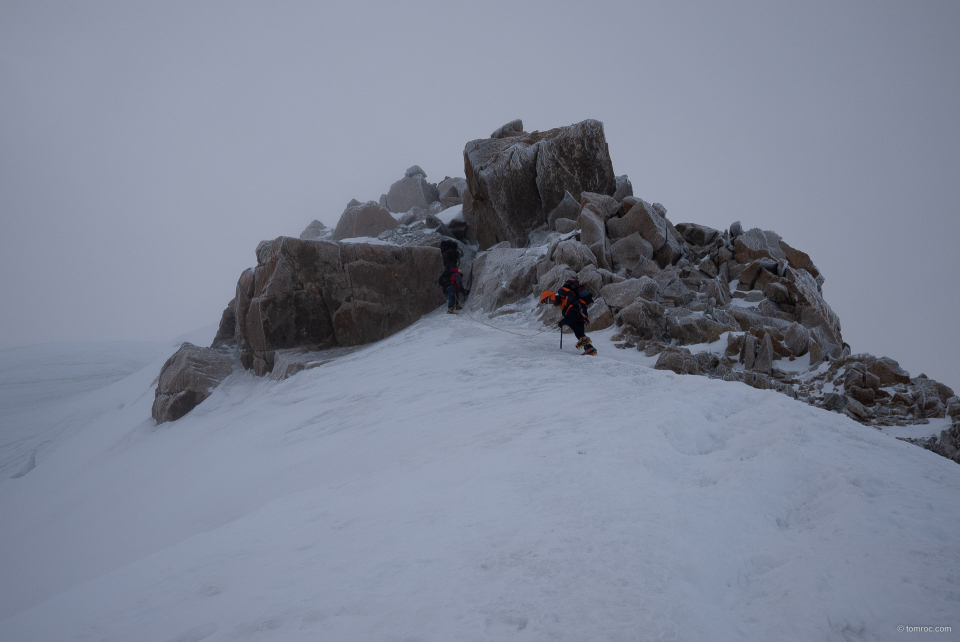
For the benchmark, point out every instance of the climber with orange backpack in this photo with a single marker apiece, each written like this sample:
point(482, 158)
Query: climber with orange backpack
point(573, 299)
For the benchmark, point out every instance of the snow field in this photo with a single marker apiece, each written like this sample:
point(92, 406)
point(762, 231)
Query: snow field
point(453, 482)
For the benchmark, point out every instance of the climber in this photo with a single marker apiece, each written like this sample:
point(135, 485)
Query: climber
point(450, 253)
point(452, 283)
point(573, 300)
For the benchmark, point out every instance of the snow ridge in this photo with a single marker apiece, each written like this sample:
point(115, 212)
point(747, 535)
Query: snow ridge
point(456, 482)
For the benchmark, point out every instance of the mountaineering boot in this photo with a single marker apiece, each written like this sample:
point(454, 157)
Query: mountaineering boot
point(583, 341)
point(451, 311)
point(588, 349)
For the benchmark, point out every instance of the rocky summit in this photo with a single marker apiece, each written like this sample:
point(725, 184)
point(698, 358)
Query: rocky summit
point(533, 210)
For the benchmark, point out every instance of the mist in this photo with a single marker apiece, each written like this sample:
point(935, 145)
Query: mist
point(146, 148)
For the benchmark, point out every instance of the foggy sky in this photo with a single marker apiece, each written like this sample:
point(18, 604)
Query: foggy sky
point(146, 148)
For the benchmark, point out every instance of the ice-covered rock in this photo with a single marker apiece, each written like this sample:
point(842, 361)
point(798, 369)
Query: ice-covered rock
point(756, 244)
point(226, 332)
point(629, 251)
point(187, 378)
point(593, 235)
point(513, 128)
point(573, 253)
point(565, 225)
point(503, 275)
point(413, 190)
point(516, 181)
point(624, 188)
point(323, 295)
point(697, 234)
point(605, 206)
point(363, 219)
point(316, 231)
point(567, 208)
point(622, 294)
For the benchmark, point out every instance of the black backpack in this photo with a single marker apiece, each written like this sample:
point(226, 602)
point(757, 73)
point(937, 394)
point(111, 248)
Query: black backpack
point(450, 253)
point(581, 291)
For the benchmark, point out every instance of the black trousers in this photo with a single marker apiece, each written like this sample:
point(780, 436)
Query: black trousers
point(451, 293)
point(574, 320)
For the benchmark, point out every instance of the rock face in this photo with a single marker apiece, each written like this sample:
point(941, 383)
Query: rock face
point(323, 295)
point(501, 276)
point(363, 219)
point(186, 379)
point(515, 181)
point(228, 326)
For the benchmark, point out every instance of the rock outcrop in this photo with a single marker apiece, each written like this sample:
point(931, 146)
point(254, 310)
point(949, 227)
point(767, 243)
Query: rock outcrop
point(322, 294)
point(363, 220)
point(515, 180)
point(413, 190)
point(537, 209)
point(187, 378)
point(501, 276)
point(316, 231)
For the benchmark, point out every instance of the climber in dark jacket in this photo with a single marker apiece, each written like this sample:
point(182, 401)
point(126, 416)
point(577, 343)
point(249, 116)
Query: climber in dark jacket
point(574, 300)
point(452, 283)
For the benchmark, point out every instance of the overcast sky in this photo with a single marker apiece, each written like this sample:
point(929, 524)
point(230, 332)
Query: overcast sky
point(145, 148)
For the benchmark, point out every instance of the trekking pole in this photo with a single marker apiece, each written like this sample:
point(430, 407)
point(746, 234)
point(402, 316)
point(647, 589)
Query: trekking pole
point(561, 337)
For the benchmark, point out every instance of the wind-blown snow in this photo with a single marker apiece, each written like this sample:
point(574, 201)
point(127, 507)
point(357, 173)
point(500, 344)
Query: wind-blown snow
point(447, 215)
point(456, 482)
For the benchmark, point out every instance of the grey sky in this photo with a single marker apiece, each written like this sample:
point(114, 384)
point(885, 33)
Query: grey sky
point(145, 148)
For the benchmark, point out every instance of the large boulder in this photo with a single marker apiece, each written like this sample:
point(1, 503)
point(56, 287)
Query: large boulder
point(889, 372)
point(622, 294)
point(677, 360)
point(567, 208)
point(323, 295)
point(697, 234)
point(799, 260)
point(630, 250)
point(593, 235)
point(624, 188)
point(646, 220)
point(600, 316)
point(187, 378)
point(573, 253)
point(411, 191)
point(363, 219)
point(815, 313)
point(513, 128)
point(605, 206)
point(646, 318)
point(315, 231)
point(452, 188)
point(688, 328)
point(517, 180)
point(756, 244)
point(503, 275)
point(554, 278)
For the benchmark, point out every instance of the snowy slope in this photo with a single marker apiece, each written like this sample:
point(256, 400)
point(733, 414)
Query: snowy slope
point(454, 482)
